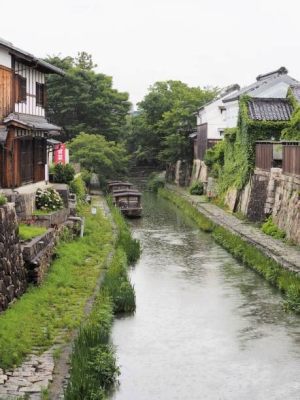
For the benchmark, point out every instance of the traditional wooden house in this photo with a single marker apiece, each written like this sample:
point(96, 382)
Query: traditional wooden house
point(214, 117)
point(24, 128)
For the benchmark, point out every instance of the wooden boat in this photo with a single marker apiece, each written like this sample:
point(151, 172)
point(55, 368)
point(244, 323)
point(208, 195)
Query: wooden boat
point(119, 185)
point(129, 202)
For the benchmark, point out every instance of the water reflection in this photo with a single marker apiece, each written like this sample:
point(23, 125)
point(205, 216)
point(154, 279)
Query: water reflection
point(205, 326)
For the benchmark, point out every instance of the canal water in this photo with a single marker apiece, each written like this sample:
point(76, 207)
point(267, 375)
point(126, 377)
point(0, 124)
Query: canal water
point(205, 326)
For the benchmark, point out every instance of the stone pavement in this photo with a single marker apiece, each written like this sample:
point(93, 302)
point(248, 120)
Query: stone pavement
point(285, 255)
point(30, 378)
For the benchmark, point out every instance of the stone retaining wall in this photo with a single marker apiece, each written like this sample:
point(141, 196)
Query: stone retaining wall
point(37, 255)
point(273, 193)
point(55, 218)
point(12, 272)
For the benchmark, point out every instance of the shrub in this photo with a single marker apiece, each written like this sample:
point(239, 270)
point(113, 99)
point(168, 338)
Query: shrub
point(271, 229)
point(86, 177)
point(118, 285)
point(197, 188)
point(155, 182)
point(214, 158)
point(3, 200)
point(78, 187)
point(125, 240)
point(48, 200)
point(63, 173)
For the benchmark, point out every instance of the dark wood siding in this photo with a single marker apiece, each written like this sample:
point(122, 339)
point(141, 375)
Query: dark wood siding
point(6, 92)
point(26, 158)
point(201, 141)
point(40, 148)
point(291, 159)
point(264, 156)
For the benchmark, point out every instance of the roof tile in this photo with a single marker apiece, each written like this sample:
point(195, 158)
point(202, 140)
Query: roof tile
point(268, 109)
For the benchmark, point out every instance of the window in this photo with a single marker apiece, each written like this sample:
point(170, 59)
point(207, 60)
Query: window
point(40, 94)
point(21, 89)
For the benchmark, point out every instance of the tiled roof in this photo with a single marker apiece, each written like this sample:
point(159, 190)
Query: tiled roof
point(264, 83)
point(296, 91)
point(265, 109)
point(32, 122)
point(24, 55)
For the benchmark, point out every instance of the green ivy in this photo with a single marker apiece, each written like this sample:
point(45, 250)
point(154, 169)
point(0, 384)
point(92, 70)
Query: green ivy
point(239, 148)
point(292, 132)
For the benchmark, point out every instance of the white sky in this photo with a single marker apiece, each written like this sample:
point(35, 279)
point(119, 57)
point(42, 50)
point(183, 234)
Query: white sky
point(201, 42)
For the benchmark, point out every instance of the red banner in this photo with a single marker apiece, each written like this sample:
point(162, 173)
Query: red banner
point(60, 154)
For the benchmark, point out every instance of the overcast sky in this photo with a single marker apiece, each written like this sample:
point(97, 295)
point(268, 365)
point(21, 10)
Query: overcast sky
point(138, 42)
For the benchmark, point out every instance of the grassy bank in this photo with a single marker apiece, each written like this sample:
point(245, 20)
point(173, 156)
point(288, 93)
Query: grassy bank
point(286, 281)
point(57, 305)
point(201, 220)
point(94, 369)
point(130, 246)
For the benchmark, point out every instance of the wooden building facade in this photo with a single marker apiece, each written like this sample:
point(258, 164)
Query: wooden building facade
point(274, 154)
point(23, 127)
point(201, 142)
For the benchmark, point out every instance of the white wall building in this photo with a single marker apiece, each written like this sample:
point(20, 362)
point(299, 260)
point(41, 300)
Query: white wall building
point(223, 112)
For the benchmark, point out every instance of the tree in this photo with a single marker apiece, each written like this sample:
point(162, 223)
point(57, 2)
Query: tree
point(84, 100)
point(106, 158)
point(159, 132)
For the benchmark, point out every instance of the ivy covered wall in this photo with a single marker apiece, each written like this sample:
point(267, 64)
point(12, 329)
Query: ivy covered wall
point(292, 132)
point(237, 161)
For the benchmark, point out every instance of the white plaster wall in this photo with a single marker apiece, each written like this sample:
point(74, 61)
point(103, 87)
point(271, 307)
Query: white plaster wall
point(5, 58)
point(32, 76)
point(232, 113)
point(215, 119)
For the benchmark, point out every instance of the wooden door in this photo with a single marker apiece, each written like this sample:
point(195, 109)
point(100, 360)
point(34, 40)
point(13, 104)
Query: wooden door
point(26, 160)
point(40, 148)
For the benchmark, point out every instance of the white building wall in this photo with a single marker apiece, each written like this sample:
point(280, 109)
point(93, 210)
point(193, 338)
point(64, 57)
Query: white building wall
point(232, 113)
point(215, 116)
point(5, 58)
point(32, 76)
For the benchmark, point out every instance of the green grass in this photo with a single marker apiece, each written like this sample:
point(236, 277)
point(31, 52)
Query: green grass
point(93, 362)
point(204, 223)
point(131, 246)
point(271, 229)
point(36, 320)
point(286, 281)
point(42, 212)
point(28, 232)
point(94, 369)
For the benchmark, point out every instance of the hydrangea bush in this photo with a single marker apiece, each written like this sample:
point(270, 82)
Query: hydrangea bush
point(48, 200)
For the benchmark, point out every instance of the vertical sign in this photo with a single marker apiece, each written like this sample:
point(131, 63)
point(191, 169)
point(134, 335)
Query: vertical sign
point(60, 154)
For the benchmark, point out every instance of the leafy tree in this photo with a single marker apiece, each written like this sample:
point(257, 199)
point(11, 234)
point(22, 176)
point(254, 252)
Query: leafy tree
point(159, 132)
point(84, 100)
point(106, 158)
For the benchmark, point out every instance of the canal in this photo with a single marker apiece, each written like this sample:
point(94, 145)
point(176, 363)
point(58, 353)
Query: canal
point(205, 326)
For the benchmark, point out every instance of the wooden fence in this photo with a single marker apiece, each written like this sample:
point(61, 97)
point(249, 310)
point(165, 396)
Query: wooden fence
point(264, 156)
point(291, 159)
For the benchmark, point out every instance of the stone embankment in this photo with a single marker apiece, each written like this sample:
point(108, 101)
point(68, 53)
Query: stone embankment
point(285, 255)
point(13, 280)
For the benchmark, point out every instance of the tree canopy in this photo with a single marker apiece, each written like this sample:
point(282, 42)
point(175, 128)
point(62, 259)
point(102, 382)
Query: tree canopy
point(106, 158)
point(84, 100)
point(158, 133)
